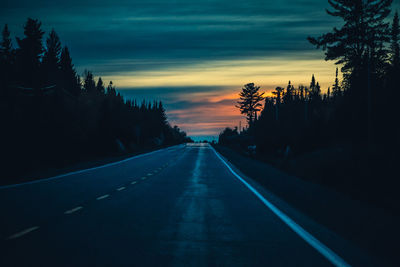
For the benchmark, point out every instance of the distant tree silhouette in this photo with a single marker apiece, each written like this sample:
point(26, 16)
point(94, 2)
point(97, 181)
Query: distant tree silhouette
point(394, 42)
point(336, 90)
point(6, 62)
point(29, 54)
point(249, 103)
point(100, 86)
point(49, 119)
point(89, 85)
point(51, 58)
point(228, 136)
point(278, 100)
point(69, 80)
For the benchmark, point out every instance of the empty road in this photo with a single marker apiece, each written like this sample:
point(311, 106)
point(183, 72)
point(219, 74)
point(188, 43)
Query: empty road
point(180, 206)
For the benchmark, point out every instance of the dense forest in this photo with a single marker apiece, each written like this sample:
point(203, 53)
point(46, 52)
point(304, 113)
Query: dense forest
point(51, 117)
point(352, 129)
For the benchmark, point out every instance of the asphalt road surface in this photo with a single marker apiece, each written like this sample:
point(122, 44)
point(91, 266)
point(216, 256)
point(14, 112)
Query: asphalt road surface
point(180, 206)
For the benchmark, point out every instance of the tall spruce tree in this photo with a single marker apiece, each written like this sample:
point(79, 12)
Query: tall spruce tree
point(69, 79)
point(89, 85)
point(6, 61)
point(336, 90)
point(394, 42)
point(51, 58)
point(6, 49)
point(100, 86)
point(29, 54)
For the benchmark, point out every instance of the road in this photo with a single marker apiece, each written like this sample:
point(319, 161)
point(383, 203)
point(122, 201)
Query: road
point(180, 206)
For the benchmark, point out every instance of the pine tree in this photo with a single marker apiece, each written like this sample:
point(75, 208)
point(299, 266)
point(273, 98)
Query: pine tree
point(100, 86)
point(394, 44)
point(365, 29)
point(249, 103)
point(51, 58)
point(336, 90)
point(289, 94)
point(29, 53)
point(69, 79)
point(6, 50)
point(111, 90)
point(278, 100)
point(6, 61)
point(89, 85)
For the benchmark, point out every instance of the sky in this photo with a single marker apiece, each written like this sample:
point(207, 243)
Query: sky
point(195, 56)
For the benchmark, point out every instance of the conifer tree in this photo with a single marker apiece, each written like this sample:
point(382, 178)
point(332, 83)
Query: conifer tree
point(51, 58)
point(394, 42)
point(89, 85)
point(6, 49)
point(336, 90)
point(29, 53)
point(6, 61)
point(100, 86)
point(364, 30)
point(69, 79)
point(249, 103)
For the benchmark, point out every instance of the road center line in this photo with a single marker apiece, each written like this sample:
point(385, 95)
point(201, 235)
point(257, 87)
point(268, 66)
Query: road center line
point(73, 210)
point(103, 197)
point(24, 232)
point(330, 255)
point(121, 188)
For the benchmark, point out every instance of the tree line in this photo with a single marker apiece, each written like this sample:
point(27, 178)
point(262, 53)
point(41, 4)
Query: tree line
point(359, 113)
point(50, 116)
point(361, 109)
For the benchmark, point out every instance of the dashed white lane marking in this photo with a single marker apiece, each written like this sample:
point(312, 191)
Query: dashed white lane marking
point(329, 254)
point(149, 174)
point(134, 182)
point(24, 232)
point(73, 210)
point(121, 188)
point(144, 178)
point(103, 197)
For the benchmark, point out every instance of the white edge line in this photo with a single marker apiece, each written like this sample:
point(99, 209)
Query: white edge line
point(24, 232)
point(306, 236)
point(86, 170)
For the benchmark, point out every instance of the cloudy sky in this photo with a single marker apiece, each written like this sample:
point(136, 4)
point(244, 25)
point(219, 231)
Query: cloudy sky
point(193, 55)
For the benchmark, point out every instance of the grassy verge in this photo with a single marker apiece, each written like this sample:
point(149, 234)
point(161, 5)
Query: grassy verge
point(45, 171)
point(363, 223)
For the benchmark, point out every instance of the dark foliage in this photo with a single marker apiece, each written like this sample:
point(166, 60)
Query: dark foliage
point(358, 117)
point(48, 119)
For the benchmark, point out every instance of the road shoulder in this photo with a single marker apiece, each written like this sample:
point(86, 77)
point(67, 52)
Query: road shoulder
point(322, 209)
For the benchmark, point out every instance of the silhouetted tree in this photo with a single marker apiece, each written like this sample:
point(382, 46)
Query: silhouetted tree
point(89, 85)
point(249, 103)
point(100, 86)
point(278, 99)
point(29, 53)
point(51, 58)
point(69, 80)
point(336, 90)
point(6, 61)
